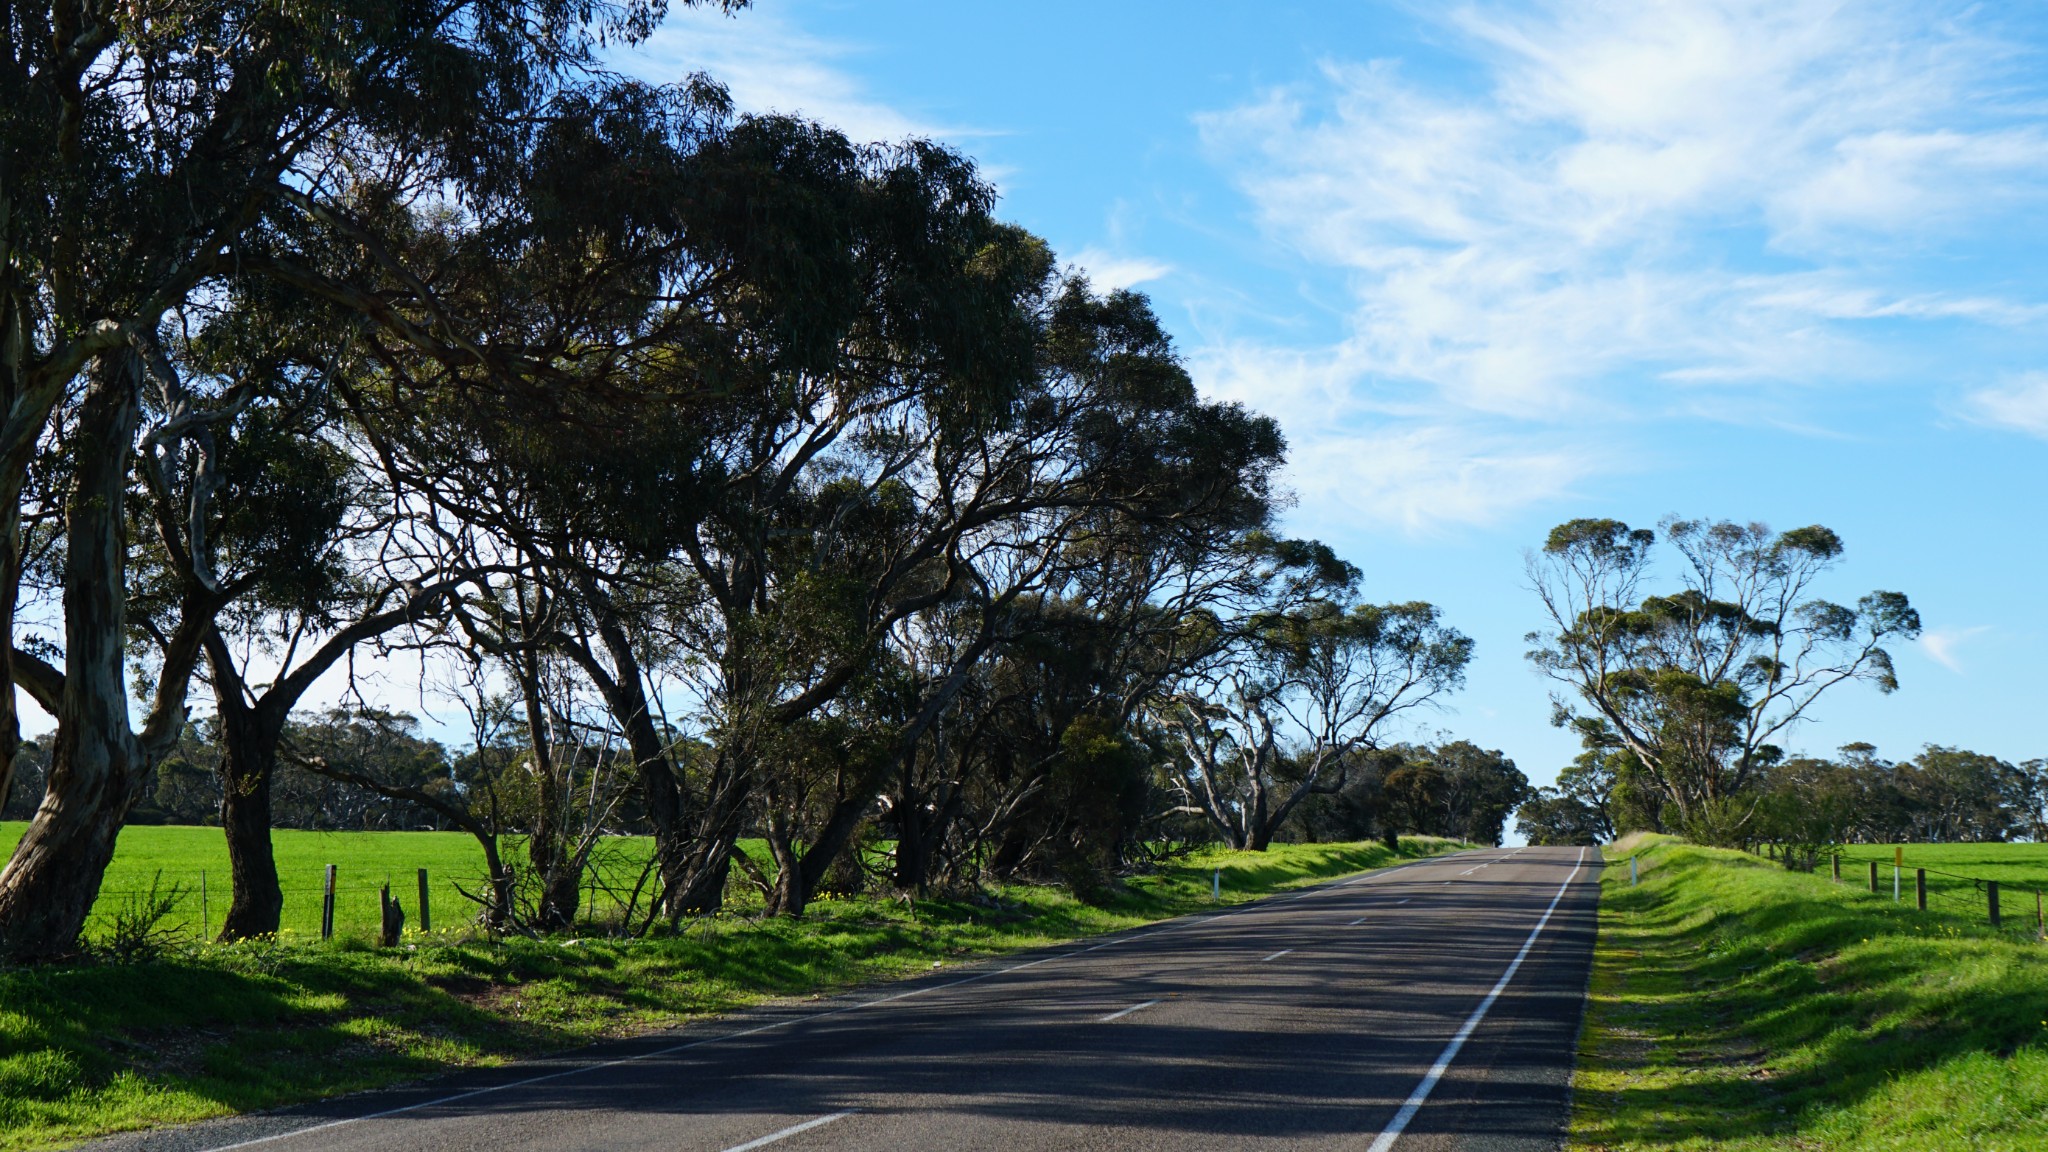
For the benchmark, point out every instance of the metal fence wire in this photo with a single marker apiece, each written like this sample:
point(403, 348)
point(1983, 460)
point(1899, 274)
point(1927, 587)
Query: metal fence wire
point(2010, 906)
point(192, 903)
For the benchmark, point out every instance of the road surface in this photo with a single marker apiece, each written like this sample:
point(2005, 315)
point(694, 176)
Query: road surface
point(1434, 1006)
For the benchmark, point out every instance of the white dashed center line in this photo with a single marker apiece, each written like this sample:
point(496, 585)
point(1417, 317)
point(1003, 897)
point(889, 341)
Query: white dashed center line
point(786, 1133)
point(1127, 1011)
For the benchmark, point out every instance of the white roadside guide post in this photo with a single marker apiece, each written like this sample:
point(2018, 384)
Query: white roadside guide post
point(1216, 885)
point(1898, 862)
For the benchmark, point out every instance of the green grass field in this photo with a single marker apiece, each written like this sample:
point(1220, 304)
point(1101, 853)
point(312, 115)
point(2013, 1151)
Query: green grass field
point(2020, 869)
point(195, 858)
point(1735, 1005)
point(209, 1029)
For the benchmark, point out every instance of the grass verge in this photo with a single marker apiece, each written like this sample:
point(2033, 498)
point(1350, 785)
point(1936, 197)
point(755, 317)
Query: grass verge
point(210, 1030)
point(1735, 1005)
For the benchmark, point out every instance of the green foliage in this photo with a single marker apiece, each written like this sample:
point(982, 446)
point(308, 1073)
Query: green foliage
point(1698, 683)
point(1943, 794)
point(1738, 1006)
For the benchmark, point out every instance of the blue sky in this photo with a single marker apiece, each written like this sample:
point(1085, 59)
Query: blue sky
point(1495, 266)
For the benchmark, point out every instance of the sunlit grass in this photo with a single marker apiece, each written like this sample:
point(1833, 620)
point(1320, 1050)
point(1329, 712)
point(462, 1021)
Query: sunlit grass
point(1739, 1006)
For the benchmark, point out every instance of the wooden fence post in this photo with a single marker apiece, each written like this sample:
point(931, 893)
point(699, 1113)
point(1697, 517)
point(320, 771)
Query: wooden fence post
point(1873, 877)
point(426, 919)
point(1991, 890)
point(327, 907)
point(1838, 867)
point(205, 916)
point(391, 918)
point(1920, 887)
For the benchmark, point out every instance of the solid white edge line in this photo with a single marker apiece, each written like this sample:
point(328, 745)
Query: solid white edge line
point(1126, 1012)
point(1356, 923)
point(1169, 926)
point(1276, 955)
point(792, 1130)
point(1413, 1104)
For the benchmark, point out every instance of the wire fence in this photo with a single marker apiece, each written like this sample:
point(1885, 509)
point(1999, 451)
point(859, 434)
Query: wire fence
point(2014, 904)
point(193, 903)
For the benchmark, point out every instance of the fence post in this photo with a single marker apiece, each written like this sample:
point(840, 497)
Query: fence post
point(1873, 877)
point(1631, 871)
point(391, 918)
point(1920, 887)
point(1991, 890)
point(327, 907)
point(2040, 925)
point(1838, 867)
point(205, 916)
point(426, 921)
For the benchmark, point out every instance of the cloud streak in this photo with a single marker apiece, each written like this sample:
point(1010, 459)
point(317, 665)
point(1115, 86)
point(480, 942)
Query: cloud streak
point(1638, 212)
point(1940, 644)
point(771, 65)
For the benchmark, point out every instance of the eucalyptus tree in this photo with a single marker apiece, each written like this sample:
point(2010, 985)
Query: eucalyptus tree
point(777, 304)
point(148, 161)
point(1698, 684)
point(281, 517)
point(1105, 447)
point(1271, 718)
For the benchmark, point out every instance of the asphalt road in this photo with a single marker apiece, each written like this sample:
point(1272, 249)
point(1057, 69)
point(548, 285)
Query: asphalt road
point(1433, 1006)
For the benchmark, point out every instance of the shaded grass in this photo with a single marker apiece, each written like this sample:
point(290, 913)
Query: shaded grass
point(1736, 1005)
point(86, 1050)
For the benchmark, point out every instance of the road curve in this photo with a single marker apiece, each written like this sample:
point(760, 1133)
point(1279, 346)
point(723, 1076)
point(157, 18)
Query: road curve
point(1433, 1006)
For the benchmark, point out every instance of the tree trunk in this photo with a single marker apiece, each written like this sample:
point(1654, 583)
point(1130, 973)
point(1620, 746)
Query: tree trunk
point(625, 693)
point(10, 594)
point(789, 894)
point(247, 767)
point(97, 766)
point(913, 859)
point(699, 886)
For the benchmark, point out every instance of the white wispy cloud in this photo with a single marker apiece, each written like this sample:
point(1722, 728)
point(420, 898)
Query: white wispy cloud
point(1108, 271)
point(1940, 644)
point(1636, 208)
point(770, 64)
point(2020, 404)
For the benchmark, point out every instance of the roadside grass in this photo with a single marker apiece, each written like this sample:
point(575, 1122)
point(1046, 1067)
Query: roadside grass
point(209, 1030)
point(1735, 1005)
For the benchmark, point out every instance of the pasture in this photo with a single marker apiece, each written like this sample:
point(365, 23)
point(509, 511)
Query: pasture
point(194, 860)
point(1955, 875)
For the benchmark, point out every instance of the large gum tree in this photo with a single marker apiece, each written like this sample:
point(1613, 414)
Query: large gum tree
point(150, 157)
point(1700, 683)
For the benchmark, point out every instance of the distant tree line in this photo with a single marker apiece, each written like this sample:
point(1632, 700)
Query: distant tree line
point(737, 478)
point(1941, 796)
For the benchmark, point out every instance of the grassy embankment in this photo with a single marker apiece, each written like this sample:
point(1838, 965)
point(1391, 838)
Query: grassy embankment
point(1738, 1006)
point(210, 1030)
